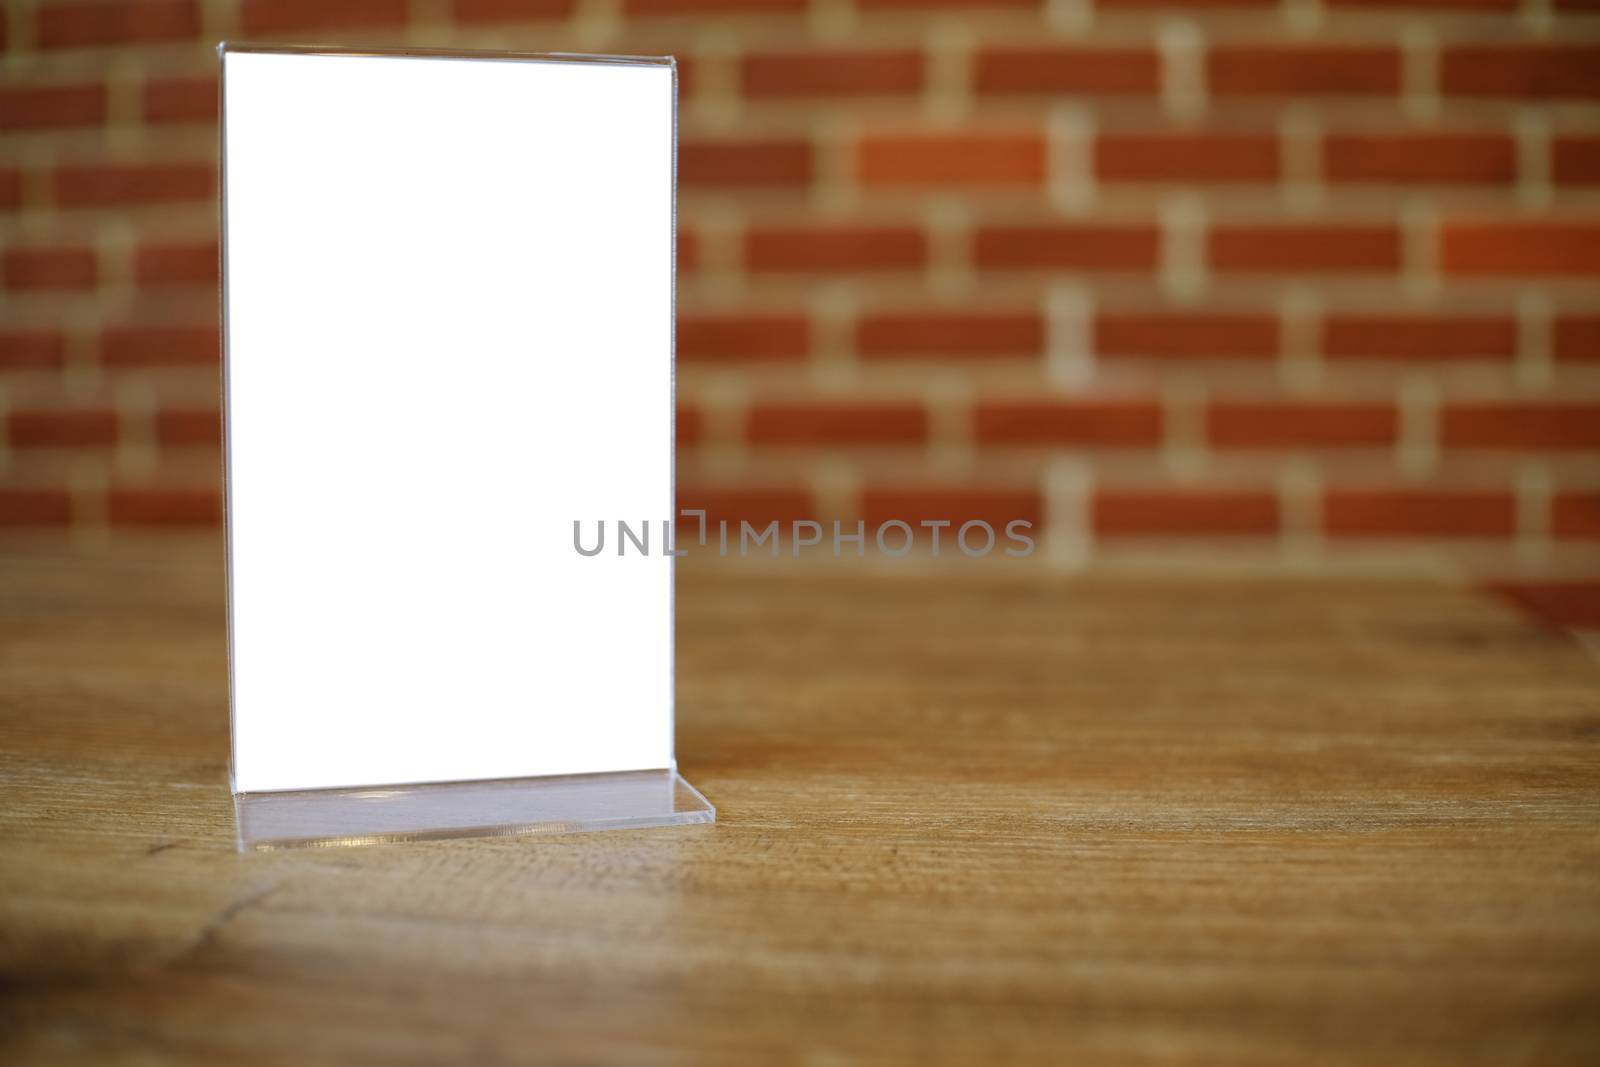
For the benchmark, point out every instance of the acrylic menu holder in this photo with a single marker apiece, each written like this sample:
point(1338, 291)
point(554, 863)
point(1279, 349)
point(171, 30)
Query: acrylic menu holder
point(447, 314)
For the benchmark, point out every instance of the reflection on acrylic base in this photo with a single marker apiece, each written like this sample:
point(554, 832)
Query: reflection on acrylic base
point(561, 804)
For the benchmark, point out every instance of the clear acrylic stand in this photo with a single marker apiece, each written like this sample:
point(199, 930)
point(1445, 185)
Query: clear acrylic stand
point(319, 818)
point(277, 816)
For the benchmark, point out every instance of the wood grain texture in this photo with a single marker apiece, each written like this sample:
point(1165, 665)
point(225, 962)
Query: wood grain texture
point(964, 819)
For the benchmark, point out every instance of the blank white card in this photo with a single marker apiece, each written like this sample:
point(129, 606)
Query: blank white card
point(448, 319)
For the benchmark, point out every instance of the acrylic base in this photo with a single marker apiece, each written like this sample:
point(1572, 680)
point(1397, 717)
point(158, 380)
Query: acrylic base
point(324, 818)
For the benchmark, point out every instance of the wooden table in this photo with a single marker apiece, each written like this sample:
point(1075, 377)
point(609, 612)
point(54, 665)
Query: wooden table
point(966, 819)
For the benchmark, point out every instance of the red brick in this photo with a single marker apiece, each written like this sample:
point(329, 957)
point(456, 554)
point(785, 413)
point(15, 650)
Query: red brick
point(928, 333)
point(31, 348)
point(688, 251)
point(10, 189)
point(64, 428)
point(1529, 70)
point(112, 184)
point(713, 7)
point(1196, 5)
point(1575, 161)
point(510, 10)
point(1418, 513)
point(834, 248)
point(952, 159)
point(147, 346)
point(755, 506)
point(769, 74)
point(1184, 513)
point(688, 426)
point(49, 268)
point(163, 264)
point(747, 337)
point(1576, 514)
point(1071, 246)
point(1569, 603)
point(837, 423)
point(1418, 337)
point(41, 107)
point(1168, 335)
point(1067, 422)
point(1418, 159)
point(1577, 338)
point(119, 22)
point(164, 507)
point(279, 16)
point(937, 4)
point(1186, 157)
point(1311, 248)
point(189, 426)
point(1096, 71)
point(34, 507)
point(181, 100)
point(914, 506)
point(1439, 5)
point(1296, 70)
point(734, 163)
point(1515, 425)
point(1515, 247)
point(1285, 424)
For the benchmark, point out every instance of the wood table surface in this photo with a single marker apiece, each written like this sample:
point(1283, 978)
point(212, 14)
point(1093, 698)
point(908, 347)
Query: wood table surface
point(963, 818)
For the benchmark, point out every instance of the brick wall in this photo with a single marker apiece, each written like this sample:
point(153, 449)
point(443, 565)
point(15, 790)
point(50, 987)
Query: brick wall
point(1310, 280)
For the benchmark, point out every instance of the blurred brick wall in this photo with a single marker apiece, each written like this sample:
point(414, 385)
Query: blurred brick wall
point(1312, 280)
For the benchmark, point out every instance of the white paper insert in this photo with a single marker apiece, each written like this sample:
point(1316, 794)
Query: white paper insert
point(449, 328)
